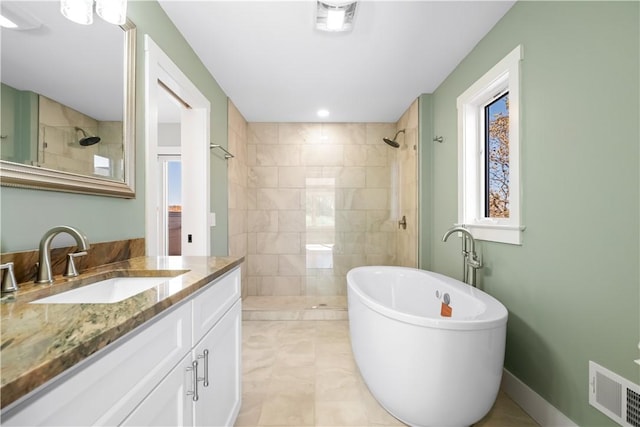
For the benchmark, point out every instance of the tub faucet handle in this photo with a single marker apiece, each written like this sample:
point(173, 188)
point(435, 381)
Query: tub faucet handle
point(473, 261)
point(8, 278)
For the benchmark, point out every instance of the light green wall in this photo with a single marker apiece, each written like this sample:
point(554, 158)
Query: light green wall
point(19, 120)
point(572, 288)
point(26, 214)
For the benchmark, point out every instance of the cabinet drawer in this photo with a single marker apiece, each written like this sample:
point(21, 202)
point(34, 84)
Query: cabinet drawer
point(212, 302)
point(108, 386)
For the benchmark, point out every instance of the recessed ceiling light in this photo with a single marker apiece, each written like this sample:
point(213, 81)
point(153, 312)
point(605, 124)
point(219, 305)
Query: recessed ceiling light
point(336, 16)
point(323, 113)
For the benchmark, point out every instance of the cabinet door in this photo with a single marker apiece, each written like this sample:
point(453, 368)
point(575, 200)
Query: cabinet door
point(169, 404)
point(219, 401)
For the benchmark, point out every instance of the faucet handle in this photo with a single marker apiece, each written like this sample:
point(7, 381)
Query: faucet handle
point(473, 261)
point(8, 278)
point(71, 270)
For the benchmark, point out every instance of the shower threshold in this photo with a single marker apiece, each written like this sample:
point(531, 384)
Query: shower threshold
point(294, 308)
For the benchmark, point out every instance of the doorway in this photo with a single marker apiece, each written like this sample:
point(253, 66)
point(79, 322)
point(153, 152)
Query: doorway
point(170, 168)
point(177, 142)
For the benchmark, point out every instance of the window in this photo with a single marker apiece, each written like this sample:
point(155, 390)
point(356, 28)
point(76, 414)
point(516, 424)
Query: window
point(101, 166)
point(496, 160)
point(488, 154)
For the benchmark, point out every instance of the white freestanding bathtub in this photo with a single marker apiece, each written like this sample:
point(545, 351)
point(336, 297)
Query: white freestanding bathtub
point(426, 369)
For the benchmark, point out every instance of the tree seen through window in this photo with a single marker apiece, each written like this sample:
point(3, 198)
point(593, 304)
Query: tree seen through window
point(497, 158)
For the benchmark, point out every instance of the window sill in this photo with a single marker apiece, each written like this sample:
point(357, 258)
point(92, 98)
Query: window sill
point(496, 233)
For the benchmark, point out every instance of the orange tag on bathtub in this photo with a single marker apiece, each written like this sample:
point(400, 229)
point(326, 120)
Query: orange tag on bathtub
point(445, 310)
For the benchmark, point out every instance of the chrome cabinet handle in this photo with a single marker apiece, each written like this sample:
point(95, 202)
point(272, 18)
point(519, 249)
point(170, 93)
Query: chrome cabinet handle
point(205, 379)
point(194, 372)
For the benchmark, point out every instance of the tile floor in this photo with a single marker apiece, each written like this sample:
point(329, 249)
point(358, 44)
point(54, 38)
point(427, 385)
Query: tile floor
point(302, 373)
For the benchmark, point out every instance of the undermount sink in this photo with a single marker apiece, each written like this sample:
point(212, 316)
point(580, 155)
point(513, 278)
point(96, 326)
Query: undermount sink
point(106, 291)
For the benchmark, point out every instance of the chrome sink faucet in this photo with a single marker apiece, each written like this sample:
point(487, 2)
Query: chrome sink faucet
point(44, 264)
point(470, 258)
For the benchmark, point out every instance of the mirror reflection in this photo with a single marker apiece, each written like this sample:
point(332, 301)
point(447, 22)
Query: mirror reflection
point(63, 94)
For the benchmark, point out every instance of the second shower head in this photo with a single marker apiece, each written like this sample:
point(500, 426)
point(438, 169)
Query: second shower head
point(393, 142)
point(86, 139)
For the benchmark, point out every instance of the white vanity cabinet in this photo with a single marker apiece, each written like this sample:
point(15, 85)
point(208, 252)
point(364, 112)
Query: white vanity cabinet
point(215, 400)
point(143, 378)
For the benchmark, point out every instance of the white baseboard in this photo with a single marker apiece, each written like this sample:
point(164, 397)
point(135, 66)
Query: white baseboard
point(533, 404)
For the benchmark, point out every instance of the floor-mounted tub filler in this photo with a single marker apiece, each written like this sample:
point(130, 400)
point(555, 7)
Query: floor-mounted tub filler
point(430, 348)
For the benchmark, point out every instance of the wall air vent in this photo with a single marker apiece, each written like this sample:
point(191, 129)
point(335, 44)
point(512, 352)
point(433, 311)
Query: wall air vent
point(614, 396)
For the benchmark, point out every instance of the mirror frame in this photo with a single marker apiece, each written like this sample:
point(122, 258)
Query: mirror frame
point(33, 177)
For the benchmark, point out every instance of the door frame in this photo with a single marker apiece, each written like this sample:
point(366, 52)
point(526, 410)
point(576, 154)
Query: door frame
point(195, 128)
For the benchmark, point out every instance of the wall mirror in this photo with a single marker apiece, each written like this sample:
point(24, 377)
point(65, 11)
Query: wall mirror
point(68, 102)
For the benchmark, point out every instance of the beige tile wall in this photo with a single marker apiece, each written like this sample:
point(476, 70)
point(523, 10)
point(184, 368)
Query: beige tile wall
point(407, 240)
point(58, 146)
point(320, 202)
point(237, 172)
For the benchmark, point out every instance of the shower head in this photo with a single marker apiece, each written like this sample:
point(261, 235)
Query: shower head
point(392, 142)
point(86, 139)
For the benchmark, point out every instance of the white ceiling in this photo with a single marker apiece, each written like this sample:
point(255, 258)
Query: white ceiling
point(276, 67)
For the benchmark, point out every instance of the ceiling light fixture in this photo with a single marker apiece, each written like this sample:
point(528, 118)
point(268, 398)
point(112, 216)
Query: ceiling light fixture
point(81, 11)
point(335, 17)
point(323, 113)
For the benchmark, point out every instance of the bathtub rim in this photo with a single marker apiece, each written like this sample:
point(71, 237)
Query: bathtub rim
point(498, 312)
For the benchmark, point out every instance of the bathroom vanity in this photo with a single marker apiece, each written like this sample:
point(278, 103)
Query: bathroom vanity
point(169, 355)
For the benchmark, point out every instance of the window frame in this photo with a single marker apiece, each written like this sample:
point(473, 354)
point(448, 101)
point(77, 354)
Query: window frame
point(503, 77)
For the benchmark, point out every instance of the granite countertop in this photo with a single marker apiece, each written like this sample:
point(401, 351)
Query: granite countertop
point(40, 341)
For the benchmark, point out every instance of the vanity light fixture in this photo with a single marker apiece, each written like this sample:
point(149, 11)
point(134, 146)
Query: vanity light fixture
point(78, 11)
point(335, 16)
point(81, 11)
point(112, 11)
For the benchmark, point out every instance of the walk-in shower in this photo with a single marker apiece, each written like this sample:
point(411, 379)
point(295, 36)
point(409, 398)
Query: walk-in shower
point(392, 142)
